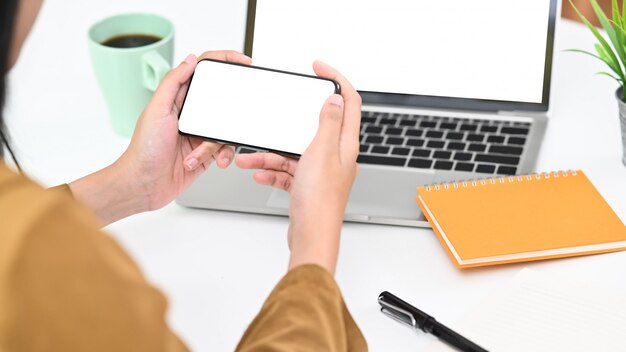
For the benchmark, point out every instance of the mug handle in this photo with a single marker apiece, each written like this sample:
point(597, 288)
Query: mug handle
point(154, 69)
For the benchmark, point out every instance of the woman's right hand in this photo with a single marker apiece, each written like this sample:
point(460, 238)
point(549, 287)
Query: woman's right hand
point(320, 182)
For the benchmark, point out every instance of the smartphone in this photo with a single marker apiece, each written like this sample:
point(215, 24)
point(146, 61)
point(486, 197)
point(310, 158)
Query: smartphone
point(254, 106)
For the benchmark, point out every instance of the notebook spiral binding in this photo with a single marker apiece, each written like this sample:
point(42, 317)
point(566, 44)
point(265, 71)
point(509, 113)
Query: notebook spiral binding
point(502, 179)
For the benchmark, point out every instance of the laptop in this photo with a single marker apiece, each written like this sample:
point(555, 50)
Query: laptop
point(452, 90)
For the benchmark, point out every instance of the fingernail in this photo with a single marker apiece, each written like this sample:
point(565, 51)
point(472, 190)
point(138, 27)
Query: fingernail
point(190, 59)
point(225, 160)
point(191, 163)
point(336, 99)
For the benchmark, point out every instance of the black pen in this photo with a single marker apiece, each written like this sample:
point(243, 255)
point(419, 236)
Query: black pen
point(405, 313)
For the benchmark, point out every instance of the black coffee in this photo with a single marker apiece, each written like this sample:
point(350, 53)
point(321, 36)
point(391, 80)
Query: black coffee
point(130, 40)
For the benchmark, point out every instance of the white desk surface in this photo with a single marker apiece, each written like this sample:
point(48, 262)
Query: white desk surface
point(216, 267)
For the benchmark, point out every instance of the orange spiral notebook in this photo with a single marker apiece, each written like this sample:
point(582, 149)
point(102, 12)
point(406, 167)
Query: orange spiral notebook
point(521, 218)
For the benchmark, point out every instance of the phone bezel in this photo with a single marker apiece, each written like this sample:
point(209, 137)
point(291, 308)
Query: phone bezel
point(239, 144)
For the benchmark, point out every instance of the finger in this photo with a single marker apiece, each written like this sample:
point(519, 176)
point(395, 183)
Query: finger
point(267, 161)
point(352, 106)
point(331, 118)
point(202, 155)
point(276, 179)
point(225, 156)
point(180, 97)
point(174, 80)
point(227, 55)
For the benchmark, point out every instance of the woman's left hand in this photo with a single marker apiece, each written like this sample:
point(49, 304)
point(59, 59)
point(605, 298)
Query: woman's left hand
point(159, 163)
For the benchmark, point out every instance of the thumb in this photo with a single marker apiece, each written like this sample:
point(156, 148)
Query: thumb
point(172, 82)
point(331, 119)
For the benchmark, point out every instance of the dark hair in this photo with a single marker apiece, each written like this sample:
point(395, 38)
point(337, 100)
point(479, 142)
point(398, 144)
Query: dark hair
point(8, 12)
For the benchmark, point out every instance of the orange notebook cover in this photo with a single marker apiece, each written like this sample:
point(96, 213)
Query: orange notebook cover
point(521, 218)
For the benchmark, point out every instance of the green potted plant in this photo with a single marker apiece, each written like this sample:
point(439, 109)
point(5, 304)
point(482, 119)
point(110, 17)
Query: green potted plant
point(612, 52)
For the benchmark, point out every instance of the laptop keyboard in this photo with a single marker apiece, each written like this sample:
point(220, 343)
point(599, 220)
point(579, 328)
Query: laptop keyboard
point(442, 143)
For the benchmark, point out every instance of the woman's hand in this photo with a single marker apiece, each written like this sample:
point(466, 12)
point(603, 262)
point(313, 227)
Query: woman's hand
point(159, 163)
point(320, 182)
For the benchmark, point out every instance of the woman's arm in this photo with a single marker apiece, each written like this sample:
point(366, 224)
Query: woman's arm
point(159, 164)
point(306, 311)
point(66, 286)
point(319, 183)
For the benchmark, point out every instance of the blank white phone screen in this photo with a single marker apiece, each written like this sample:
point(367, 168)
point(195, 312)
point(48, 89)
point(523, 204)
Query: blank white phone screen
point(254, 107)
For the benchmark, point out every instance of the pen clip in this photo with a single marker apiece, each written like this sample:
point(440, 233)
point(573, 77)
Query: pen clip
point(398, 314)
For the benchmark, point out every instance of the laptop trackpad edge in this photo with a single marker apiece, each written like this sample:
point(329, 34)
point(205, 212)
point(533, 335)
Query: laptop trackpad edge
point(378, 192)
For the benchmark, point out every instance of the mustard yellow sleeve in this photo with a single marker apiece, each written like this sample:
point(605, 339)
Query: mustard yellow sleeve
point(65, 285)
point(64, 188)
point(304, 312)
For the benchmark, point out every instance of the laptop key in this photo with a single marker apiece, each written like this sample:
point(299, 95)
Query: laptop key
point(492, 129)
point(454, 136)
point(415, 142)
point(434, 134)
point(400, 151)
point(456, 146)
point(421, 152)
point(501, 149)
point(497, 159)
point(443, 165)
point(368, 120)
point(471, 128)
point(428, 124)
point(391, 122)
point(364, 148)
point(435, 144)
point(486, 169)
point(381, 160)
point(495, 139)
point(394, 131)
point(374, 129)
point(243, 150)
point(514, 130)
point(420, 163)
point(374, 139)
point(475, 137)
point(464, 167)
point(440, 154)
point(474, 147)
point(517, 140)
point(380, 149)
point(407, 123)
point(463, 156)
point(394, 141)
point(507, 170)
point(414, 133)
point(448, 126)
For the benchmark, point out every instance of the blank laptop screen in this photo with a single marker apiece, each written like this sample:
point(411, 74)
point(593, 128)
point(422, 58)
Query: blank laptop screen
point(479, 49)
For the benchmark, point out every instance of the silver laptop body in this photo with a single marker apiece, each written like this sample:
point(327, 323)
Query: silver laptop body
point(406, 141)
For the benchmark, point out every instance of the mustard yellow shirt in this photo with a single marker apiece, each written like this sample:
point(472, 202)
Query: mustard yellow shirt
point(67, 286)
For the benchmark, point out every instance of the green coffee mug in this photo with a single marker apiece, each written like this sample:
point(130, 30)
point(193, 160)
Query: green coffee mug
point(128, 76)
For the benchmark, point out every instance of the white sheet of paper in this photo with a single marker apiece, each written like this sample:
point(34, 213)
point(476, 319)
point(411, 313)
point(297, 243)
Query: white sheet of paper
point(537, 312)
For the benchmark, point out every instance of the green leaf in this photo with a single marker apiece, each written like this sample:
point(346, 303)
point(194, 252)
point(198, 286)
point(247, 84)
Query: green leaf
point(623, 11)
point(604, 56)
point(616, 17)
point(600, 39)
point(609, 75)
point(610, 31)
point(584, 52)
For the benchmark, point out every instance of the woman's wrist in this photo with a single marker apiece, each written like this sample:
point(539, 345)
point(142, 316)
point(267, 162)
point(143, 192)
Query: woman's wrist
point(110, 193)
point(315, 240)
